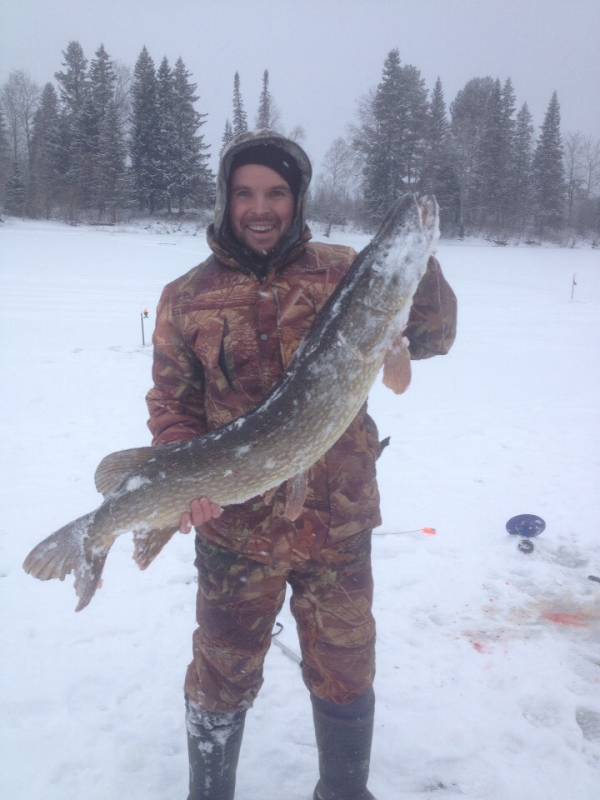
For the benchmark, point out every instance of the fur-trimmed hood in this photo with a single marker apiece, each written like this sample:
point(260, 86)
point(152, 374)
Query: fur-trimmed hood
point(219, 235)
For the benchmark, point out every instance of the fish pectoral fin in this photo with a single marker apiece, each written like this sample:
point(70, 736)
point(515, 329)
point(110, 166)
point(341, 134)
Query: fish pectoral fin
point(396, 366)
point(115, 467)
point(295, 495)
point(148, 544)
point(269, 495)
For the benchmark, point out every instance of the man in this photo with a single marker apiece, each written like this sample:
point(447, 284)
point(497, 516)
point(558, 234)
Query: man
point(225, 333)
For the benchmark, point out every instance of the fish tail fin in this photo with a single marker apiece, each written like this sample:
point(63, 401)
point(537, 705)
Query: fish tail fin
point(64, 552)
point(148, 544)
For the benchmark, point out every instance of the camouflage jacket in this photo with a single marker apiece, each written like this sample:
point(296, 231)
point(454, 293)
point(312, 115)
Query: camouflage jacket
point(224, 337)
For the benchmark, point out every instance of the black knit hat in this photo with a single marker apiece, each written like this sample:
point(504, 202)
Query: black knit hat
point(268, 155)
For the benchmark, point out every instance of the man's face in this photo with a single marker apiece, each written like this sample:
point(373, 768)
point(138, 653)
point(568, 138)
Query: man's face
point(261, 207)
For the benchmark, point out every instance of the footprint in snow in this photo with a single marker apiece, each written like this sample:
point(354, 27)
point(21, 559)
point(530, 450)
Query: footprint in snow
point(541, 712)
point(589, 722)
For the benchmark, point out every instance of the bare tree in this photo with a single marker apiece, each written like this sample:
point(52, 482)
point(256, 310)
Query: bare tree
point(591, 165)
point(334, 184)
point(297, 134)
point(20, 97)
point(573, 148)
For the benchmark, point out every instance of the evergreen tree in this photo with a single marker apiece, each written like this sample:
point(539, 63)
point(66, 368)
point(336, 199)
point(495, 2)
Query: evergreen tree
point(240, 121)
point(4, 155)
point(111, 181)
point(102, 81)
point(73, 83)
point(468, 128)
point(438, 128)
point(227, 135)
point(77, 124)
point(507, 151)
point(393, 137)
point(145, 134)
point(490, 172)
point(192, 174)
point(439, 176)
point(413, 115)
point(44, 187)
point(14, 202)
point(267, 116)
point(548, 171)
point(522, 177)
point(166, 143)
point(103, 145)
point(381, 141)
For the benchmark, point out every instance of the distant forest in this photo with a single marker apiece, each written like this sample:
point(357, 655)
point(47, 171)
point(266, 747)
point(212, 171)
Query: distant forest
point(103, 143)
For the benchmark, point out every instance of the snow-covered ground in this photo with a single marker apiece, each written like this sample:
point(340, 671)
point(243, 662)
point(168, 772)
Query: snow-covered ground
point(488, 679)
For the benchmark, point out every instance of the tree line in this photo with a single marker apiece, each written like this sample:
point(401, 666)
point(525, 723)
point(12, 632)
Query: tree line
point(105, 139)
point(489, 171)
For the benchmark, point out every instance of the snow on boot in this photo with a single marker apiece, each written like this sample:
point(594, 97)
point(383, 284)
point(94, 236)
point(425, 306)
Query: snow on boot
point(344, 734)
point(214, 741)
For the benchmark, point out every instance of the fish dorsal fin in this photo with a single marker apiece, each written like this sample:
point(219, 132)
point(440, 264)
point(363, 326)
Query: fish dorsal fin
point(396, 366)
point(115, 467)
point(295, 495)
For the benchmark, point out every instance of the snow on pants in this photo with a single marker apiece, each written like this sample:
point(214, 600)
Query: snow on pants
point(237, 604)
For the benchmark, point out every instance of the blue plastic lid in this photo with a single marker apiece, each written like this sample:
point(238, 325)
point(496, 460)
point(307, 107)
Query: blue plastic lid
point(528, 525)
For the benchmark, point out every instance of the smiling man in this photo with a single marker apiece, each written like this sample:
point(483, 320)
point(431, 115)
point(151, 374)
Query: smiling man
point(225, 333)
point(261, 207)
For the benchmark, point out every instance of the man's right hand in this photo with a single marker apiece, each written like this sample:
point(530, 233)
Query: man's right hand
point(201, 510)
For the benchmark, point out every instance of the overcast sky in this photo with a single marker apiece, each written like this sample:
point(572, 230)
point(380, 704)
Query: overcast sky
point(322, 55)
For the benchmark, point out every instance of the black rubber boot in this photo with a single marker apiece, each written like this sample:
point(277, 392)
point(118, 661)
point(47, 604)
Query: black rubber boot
point(344, 734)
point(214, 741)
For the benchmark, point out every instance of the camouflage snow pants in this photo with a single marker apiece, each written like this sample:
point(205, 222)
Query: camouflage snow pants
point(237, 604)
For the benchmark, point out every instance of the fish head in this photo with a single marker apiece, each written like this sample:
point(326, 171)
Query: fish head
point(401, 247)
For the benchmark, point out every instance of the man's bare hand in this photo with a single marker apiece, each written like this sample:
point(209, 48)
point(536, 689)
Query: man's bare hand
point(201, 510)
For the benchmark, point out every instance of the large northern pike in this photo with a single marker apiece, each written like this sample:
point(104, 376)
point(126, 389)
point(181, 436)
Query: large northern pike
point(146, 489)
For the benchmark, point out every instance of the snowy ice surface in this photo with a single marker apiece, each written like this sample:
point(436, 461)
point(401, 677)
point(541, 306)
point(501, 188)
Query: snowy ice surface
point(488, 682)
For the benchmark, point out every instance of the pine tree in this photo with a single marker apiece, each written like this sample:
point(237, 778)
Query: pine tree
point(193, 176)
point(166, 144)
point(111, 181)
point(413, 113)
point(77, 121)
point(267, 117)
point(490, 179)
point(381, 142)
point(44, 187)
point(240, 121)
point(227, 135)
point(394, 137)
point(104, 136)
point(438, 128)
point(145, 134)
point(102, 81)
point(4, 155)
point(73, 83)
point(468, 128)
point(522, 177)
point(15, 192)
point(507, 151)
point(548, 171)
point(439, 176)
